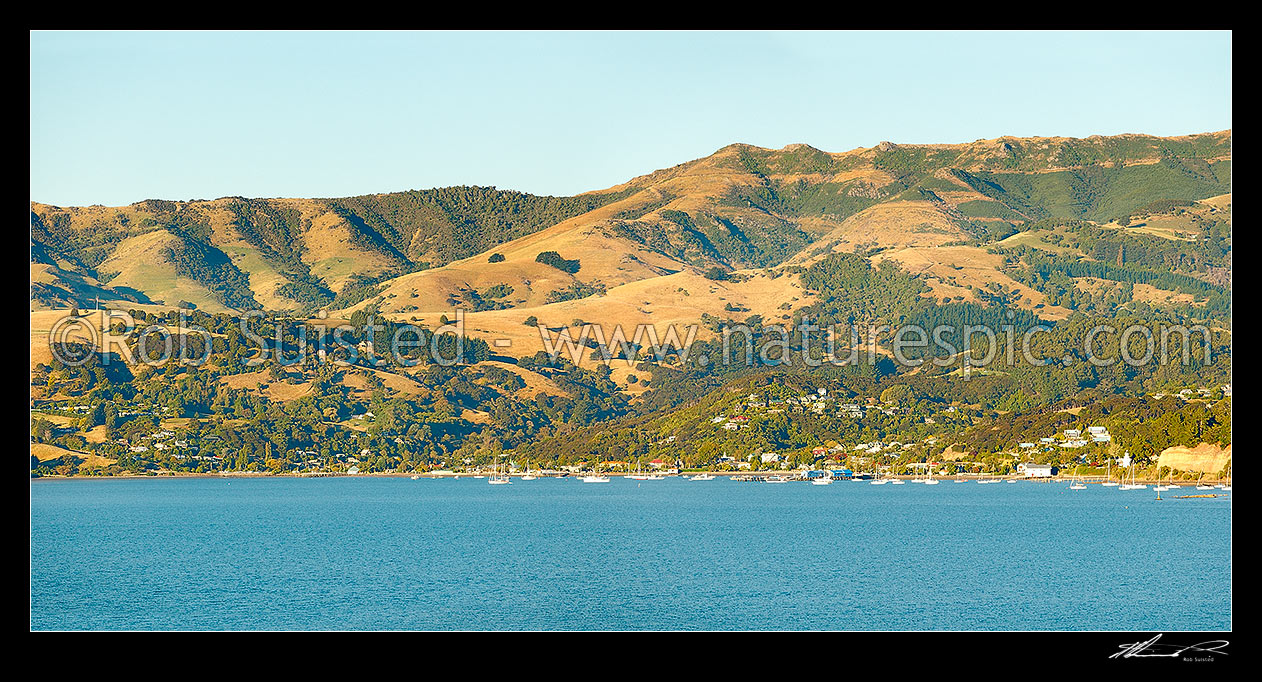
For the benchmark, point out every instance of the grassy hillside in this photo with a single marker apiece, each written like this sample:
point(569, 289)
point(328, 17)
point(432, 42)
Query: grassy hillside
point(954, 215)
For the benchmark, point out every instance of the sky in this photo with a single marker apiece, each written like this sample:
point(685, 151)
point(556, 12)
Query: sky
point(121, 117)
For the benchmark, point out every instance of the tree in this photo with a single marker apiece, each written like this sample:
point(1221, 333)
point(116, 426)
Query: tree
point(898, 394)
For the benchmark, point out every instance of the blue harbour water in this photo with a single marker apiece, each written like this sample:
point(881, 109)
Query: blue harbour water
point(394, 553)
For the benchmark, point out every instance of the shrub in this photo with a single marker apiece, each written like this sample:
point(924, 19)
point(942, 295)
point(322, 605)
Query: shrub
point(555, 260)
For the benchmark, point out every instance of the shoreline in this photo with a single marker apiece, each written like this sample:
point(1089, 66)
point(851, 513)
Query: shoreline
point(436, 476)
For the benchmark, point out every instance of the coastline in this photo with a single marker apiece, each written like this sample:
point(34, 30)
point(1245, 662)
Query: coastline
point(791, 473)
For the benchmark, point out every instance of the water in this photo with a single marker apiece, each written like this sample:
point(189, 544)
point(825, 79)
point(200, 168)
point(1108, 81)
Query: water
point(393, 553)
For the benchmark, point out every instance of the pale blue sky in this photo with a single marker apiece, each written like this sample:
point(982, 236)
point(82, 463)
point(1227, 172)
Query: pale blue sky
point(120, 117)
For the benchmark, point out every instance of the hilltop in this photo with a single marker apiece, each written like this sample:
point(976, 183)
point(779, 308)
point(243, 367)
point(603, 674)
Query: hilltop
point(942, 212)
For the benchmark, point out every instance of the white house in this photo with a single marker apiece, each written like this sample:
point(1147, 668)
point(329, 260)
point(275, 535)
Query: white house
point(1038, 470)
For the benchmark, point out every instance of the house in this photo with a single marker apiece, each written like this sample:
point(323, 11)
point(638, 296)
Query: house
point(1025, 446)
point(1037, 470)
point(1072, 433)
point(769, 457)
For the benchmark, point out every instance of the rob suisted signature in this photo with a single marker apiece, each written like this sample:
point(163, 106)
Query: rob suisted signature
point(1152, 649)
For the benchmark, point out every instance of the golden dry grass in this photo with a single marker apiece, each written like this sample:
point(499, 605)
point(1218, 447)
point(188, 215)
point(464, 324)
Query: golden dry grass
point(260, 383)
point(948, 268)
point(893, 226)
point(1161, 297)
point(676, 300)
point(535, 383)
point(45, 452)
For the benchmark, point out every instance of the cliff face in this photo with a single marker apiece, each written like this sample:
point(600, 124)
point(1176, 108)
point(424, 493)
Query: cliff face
point(1204, 458)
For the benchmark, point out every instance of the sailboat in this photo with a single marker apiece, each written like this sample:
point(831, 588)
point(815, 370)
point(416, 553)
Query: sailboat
point(1075, 484)
point(595, 477)
point(1132, 485)
point(1160, 487)
point(496, 477)
point(1108, 475)
point(1228, 485)
point(639, 474)
point(930, 480)
point(1202, 486)
point(528, 476)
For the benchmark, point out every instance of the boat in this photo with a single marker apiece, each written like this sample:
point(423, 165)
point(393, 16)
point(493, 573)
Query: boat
point(639, 475)
point(822, 480)
point(702, 477)
point(776, 479)
point(416, 478)
point(1132, 485)
point(497, 478)
point(595, 478)
point(1108, 475)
